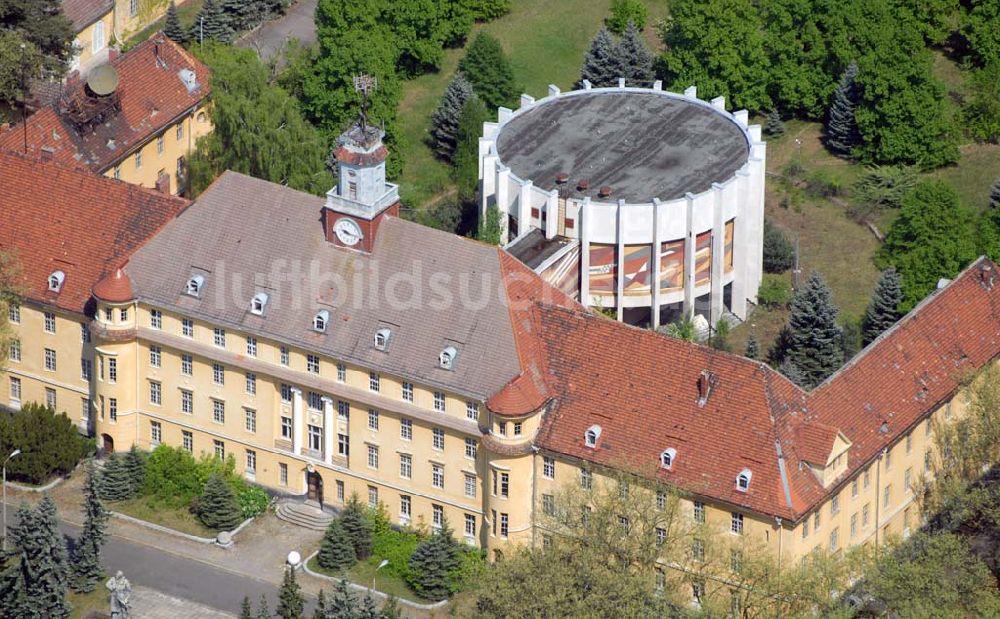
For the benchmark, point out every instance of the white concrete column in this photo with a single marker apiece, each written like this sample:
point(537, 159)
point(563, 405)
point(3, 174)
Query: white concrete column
point(691, 92)
point(503, 200)
point(553, 90)
point(718, 255)
point(689, 247)
point(657, 244)
point(297, 422)
point(487, 174)
point(552, 214)
point(524, 208)
point(620, 259)
point(328, 430)
point(719, 103)
point(526, 100)
point(742, 264)
point(583, 219)
point(504, 114)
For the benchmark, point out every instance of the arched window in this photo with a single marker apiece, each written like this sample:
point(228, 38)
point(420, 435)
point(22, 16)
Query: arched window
point(447, 357)
point(320, 320)
point(743, 480)
point(56, 281)
point(382, 338)
point(667, 457)
point(591, 435)
point(194, 285)
point(257, 303)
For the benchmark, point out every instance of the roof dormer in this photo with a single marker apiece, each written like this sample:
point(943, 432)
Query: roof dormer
point(446, 358)
point(743, 480)
point(56, 280)
point(382, 337)
point(194, 285)
point(321, 320)
point(591, 436)
point(258, 303)
point(667, 458)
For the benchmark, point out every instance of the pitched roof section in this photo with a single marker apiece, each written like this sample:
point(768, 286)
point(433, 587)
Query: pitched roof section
point(152, 97)
point(431, 289)
point(114, 288)
point(82, 13)
point(58, 219)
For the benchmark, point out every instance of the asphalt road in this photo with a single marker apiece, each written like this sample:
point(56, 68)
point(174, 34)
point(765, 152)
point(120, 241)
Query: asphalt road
point(296, 23)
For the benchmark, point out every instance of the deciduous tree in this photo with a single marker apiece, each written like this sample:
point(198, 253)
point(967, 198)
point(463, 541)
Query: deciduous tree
point(624, 12)
point(47, 33)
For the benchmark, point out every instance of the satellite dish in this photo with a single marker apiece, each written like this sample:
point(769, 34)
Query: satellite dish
point(103, 80)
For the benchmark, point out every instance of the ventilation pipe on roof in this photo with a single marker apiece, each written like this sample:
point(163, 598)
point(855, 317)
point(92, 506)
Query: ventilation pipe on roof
point(986, 277)
point(604, 191)
point(562, 178)
point(706, 384)
point(583, 185)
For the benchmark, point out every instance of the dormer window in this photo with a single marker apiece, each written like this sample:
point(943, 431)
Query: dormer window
point(56, 281)
point(382, 338)
point(667, 458)
point(194, 285)
point(321, 320)
point(447, 357)
point(591, 435)
point(257, 303)
point(743, 480)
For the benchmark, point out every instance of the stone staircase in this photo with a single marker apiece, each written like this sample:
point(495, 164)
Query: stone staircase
point(304, 514)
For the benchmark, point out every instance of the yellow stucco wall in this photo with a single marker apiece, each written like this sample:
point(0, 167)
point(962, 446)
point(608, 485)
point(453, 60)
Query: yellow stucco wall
point(93, 41)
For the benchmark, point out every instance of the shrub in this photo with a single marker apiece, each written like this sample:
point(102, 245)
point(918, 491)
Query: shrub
point(822, 184)
point(172, 477)
point(778, 252)
point(49, 442)
point(625, 11)
point(880, 188)
point(393, 545)
point(471, 569)
point(775, 291)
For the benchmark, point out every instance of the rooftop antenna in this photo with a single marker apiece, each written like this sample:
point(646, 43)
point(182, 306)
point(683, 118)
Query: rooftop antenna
point(365, 84)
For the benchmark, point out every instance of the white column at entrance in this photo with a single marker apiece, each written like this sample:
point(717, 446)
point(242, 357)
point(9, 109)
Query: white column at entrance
point(297, 421)
point(328, 430)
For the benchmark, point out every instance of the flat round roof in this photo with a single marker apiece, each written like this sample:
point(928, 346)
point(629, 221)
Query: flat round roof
point(642, 145)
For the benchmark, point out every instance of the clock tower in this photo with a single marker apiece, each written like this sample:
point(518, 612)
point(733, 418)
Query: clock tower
point(355, 207)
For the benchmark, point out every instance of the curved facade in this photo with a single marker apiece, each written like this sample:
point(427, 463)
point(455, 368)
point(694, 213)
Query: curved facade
point(639, 200)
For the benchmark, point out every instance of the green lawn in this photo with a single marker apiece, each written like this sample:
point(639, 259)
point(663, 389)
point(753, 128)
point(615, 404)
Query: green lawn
point(185, 12)
point(178, 519)
point(83, 603)
point(545, 40)
point(362, 573)
point(976, 171)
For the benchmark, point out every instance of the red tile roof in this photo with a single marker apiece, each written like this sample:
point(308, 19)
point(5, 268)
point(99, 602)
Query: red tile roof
point(82, 13)
point(115, 288)
point(152, 97)
point(59, 219)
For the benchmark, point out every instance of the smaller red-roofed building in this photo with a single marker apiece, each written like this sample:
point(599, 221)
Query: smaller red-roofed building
point(136, 121)
point(69, 232)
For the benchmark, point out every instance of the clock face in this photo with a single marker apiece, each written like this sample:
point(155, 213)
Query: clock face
point(348, 231)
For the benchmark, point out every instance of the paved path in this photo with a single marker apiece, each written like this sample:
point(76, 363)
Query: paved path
point(297, 23)
point(150, 604)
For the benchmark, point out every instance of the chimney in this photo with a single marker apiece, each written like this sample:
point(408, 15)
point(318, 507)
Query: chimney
point(604, 191)
point(562, 178)
point(706, 384)
point(583, 185)
point(47, 153)
point(163, 183)
point(986, 276)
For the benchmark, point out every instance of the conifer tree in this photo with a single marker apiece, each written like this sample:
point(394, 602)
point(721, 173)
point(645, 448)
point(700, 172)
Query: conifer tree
point(995, 194)
point(263, 611)
point(752, 349)
point(842, 133)
point(358, 527)
point(336, 552)
point(883, 310)
point(779, 255)
point(489, 71)
point(321, 611)
point(173, 28)
point(341, 605)
point(18, 579)
point(116, 484)
point(368, 610)
point(87, 556)
point(35, 585)
point(791, 372)
point(444, 122)
point(135, 464)
point(246, 611)
point(211, 23)
point(431, 562)
point(290, 602)
point(815, 347)
point(390, 609)
point(634, 58)
point(601, 65)
point(218, 508)
point(774, 126)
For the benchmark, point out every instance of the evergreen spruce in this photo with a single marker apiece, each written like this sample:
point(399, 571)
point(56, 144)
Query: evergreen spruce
point(489, 70)
point(883, 310)
point(444, 123)
point(87, 556)
point(218, 508)
point(321, 611)
point(815, 348)
point(995, 194)
point(135, 464)
point(290, 602)
point(243, 14)
point(368, 610)
point(116, 484)
point(35, 585)
point(842, 133)
point(18, 579)
point(774, 126)
point(431, 562)
point(263, 612)
point(173, 28)
point(634, 58)
point(752, 349)
point(358, 527)
point(390, 609)
point(779, 255)
point(791, 372)
point(211, 23)
point(246, 611)
point(341, 605)
point(601, 65)
point(336, 552)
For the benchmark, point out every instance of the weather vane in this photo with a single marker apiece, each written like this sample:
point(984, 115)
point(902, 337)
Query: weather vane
point(365, 84)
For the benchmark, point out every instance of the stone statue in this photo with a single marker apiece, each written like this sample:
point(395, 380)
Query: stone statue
point(121, 590)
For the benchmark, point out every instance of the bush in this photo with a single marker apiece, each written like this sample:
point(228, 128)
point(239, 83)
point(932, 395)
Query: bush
point(50, 443)
point(775, 291)
point(175, 479)
point(252, 499)
point(822, 184)
point(217, 506)
point(778, 252)
point(393, 545)
point(881, 188)
point(625, 11)
point(470, 571)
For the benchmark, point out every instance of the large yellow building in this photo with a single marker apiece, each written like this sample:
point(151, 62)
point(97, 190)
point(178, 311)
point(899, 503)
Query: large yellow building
point(137, 122)
point(333, 348)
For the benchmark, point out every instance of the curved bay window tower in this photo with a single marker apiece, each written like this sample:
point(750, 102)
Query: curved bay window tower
point(636, 200)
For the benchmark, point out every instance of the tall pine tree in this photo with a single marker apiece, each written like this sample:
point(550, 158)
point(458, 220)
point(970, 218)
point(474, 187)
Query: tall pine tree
point(172, 26)
point(290, 601)
point(431, 562)
point(601, 65)
point(791, 372)
point(342, 603)
point(815, 348)
point(368, 610)
point(444, 122)
point(883, 310)
point(87, 556)
point(116, 483)
point(390, 609)
point(135, 464)
point(218, 508)
point(246, 611)
point(842, 133)
point(321, 611)
point(211, 23)
point(263, 611)
point(358, 527)
point(35, 584)
point(336, 552)
point(634, 58)
point(488, 69)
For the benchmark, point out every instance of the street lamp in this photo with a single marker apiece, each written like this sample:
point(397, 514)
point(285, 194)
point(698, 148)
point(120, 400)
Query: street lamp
point(384, 563)
point(12, 454)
